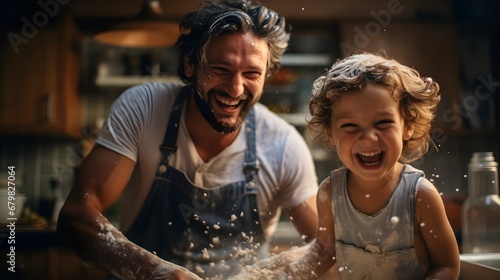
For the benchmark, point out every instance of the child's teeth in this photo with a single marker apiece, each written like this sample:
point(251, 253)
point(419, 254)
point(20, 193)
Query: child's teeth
point(370, 154)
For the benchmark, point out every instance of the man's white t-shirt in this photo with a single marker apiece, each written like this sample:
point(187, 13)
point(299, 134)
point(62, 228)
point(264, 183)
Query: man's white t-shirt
point(136, 126)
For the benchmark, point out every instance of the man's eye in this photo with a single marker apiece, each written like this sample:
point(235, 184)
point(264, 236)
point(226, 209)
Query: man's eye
point(253, 75)
point(219, 71)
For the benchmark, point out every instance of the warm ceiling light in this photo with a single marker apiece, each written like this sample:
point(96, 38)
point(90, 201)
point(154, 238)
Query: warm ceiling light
point(147, 30)
point(140, 34)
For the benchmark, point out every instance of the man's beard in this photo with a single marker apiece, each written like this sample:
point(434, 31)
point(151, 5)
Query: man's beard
point(207, 112)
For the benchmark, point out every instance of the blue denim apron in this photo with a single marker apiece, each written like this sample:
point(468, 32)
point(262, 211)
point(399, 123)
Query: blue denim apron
point(211, 232)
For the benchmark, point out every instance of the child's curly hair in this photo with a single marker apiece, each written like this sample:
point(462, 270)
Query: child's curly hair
point(418, 97)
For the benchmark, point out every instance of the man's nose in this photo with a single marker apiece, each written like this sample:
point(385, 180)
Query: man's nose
point(236, 86)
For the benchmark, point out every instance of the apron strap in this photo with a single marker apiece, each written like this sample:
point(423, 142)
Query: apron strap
point(170, 139)
point(250, 166)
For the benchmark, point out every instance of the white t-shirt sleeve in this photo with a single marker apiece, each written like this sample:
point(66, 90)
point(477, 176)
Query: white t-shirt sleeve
point(299, 179)
point(132, 112)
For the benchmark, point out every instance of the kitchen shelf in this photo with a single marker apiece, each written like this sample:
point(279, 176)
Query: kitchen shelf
point(281, 89)
point(129, 81)
point(304, 60)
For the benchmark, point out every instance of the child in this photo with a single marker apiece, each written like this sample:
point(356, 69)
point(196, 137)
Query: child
point(379, 218)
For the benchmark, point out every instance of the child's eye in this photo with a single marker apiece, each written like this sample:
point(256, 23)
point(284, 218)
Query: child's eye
point(384, 123)
point(349, 126)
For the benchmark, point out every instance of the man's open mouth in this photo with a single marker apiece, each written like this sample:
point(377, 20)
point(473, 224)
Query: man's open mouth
point(232, 104)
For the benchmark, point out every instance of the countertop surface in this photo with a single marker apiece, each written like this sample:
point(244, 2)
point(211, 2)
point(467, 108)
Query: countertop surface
point(30, 237)
point(34, 237)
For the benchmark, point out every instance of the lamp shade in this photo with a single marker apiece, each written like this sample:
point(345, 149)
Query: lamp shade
point(140, 34)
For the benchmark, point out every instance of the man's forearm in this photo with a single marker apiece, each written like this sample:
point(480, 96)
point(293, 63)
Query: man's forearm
point(100, 244)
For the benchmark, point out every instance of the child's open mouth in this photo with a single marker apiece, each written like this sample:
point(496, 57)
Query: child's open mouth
point(370, 158)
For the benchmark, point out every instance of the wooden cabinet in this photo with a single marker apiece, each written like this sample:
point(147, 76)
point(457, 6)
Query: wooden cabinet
point(39, 81)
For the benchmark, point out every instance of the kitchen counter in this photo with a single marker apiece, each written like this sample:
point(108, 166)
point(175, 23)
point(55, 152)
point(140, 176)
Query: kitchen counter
point(32, 237)
point(40, 254)
point(479, 266)
point(36, 237)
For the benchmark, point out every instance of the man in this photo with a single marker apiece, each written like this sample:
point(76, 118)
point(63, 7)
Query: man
point(203, 170)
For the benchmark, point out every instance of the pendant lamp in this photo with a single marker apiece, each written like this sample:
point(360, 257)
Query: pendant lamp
point(147, 30)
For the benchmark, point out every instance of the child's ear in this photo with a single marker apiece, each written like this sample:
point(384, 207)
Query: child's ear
point(408, 132)
point(331, 138)
point(332, 142)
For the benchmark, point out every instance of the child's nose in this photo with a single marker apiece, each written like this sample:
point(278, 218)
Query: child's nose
point(369, 135)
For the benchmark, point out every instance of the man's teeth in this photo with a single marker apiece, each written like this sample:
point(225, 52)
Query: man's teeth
point(229, 102)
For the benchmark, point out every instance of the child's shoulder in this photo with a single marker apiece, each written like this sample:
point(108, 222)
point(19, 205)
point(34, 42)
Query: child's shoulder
point(337, 176)
point(341, 171)
point(426, 193)
point(409, 169)
point(422, 182)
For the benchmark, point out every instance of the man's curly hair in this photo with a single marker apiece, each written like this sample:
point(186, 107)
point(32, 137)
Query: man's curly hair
point(200, 28)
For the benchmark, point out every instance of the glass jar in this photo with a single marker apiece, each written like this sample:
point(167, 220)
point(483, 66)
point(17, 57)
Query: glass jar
point(481, 209)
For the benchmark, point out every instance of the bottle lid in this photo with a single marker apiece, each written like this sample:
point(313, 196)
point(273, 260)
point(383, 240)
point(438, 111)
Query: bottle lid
point(482, 161)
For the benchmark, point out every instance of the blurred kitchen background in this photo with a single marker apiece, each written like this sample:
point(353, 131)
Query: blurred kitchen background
point(63, 63)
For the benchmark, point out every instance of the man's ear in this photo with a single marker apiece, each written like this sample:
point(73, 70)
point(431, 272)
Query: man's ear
point(408, 132)
point(188, 68)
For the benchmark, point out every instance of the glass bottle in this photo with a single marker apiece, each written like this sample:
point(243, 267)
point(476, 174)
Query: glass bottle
point(481, 209)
